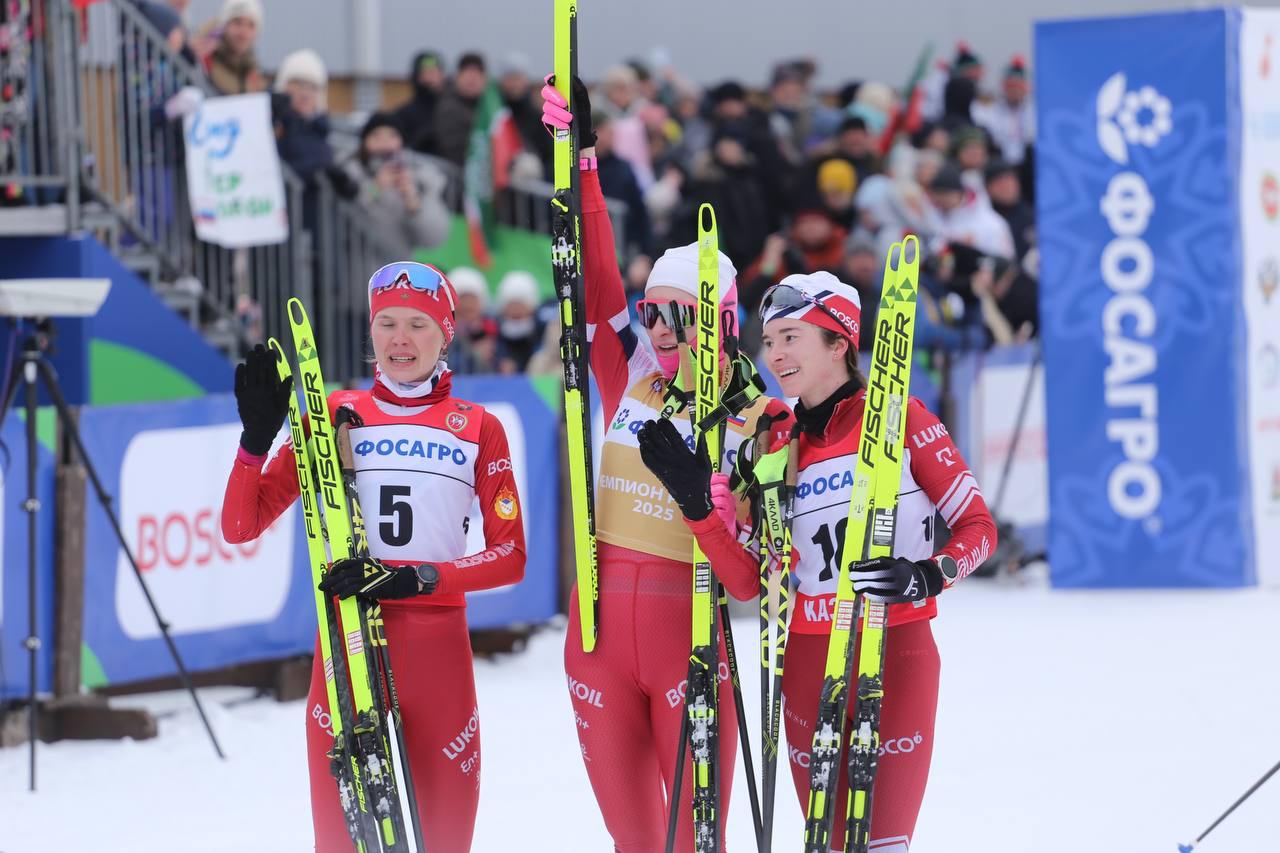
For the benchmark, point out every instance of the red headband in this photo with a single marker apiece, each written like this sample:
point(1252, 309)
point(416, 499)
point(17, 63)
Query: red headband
point(413, 285)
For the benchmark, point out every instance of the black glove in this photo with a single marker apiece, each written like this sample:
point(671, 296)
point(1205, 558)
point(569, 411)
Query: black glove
point(342, 183)
point(580, 106)
point(263, 400)
point(895, 580)
point(368, 577)
point(686, 475)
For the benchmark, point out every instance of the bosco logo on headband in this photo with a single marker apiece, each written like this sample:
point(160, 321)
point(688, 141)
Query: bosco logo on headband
point(818, 298)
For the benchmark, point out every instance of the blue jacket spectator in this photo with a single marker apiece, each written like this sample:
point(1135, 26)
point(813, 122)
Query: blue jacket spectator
point(300, 113)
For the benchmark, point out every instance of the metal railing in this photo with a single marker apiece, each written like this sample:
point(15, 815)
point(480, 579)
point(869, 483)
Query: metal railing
point(127, 74)
point(525, 204)
point(38, 142)
point(103, 85)
point(348, 251)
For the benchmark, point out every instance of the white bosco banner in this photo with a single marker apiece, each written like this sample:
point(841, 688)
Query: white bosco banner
point(233, 173)
point(198, 580)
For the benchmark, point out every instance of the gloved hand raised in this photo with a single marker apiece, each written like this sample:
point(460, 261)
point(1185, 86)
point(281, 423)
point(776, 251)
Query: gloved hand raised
point(556, 114)
point(262, 400)
point(685, 474)
point(371, 578)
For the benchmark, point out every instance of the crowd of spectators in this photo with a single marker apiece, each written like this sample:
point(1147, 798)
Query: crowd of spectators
point(802, 179)
point(400, 196)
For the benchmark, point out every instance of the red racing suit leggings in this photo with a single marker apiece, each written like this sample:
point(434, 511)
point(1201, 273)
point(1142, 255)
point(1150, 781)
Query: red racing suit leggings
point(911, 669)
point(628, 699)
point(431, 661)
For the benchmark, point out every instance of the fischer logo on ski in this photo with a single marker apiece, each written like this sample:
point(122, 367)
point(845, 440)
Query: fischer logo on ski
point(873, 509)
point(359, 758)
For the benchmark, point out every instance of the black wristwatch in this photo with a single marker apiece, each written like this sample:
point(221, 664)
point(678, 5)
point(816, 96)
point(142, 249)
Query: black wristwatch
point(428, 577)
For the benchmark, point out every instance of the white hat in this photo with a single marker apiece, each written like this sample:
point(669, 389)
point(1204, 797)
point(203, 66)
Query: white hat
point(818, 298)
point(305, 66)
point(470, 280)
point(514, 63)
point(678, 268)
point(877, 96)
point(251, 9)
point(519, 286)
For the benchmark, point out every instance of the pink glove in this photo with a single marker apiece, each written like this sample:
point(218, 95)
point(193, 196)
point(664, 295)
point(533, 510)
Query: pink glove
point(725, 503)
point(555, 109)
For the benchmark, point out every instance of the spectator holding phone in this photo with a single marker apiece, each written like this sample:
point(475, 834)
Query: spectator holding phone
point(232, 64)
point(402, 195)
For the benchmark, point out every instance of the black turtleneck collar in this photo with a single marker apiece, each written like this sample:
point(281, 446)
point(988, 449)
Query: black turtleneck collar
point(814, 421)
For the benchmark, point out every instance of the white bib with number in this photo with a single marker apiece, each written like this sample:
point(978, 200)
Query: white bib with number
point(416, 485)
point(821, 514)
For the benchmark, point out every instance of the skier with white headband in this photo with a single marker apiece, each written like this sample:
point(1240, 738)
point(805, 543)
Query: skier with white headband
point(811, 330)
point(628, 694)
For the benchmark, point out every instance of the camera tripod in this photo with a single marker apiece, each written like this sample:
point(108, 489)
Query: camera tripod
point(32, 366)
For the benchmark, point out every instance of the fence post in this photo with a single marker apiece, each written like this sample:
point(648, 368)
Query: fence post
point(66, 93)
point(68, 569)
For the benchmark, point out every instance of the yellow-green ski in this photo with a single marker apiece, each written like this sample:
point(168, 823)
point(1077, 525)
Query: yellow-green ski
point(367, 734)
point(566, 267)
point(343, 763)
point(775, 478)
point(702, 692)
point(714, 402)
point(895, 334)
point(876, 475)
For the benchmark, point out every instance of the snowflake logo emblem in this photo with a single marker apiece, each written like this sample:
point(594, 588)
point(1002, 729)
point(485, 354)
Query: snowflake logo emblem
point(1269, 366)
point(1268, 278)
point(1141, 117)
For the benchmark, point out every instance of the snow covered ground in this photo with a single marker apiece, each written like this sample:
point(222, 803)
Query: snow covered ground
point(1108, 723)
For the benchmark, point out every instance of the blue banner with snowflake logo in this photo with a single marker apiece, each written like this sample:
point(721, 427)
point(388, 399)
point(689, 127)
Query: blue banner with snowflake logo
point(1137, 194)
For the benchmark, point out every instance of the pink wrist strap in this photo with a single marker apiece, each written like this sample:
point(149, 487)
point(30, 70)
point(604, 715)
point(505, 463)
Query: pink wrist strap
point(250, 459)
point(587, 164)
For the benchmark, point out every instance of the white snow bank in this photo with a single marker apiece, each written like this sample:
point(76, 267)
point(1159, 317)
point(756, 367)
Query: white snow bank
point(1068, 722)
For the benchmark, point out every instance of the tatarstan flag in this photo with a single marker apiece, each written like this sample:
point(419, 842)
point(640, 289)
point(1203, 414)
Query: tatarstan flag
point(495, 141)
point(907, 119)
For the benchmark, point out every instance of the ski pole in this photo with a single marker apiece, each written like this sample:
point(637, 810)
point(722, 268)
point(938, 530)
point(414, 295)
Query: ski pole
point(1187, 848)
point(673, 802)
point(752, 794)
point(768, 746)
point(371, 615)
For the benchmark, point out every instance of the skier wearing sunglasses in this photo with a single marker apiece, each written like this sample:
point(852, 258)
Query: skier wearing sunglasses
point(628, 694)
point(811, 330)
point(422, 458)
